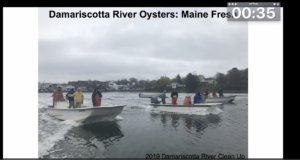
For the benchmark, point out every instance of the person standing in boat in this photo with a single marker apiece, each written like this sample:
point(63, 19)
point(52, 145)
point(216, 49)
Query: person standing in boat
point(57, 95)
point(187, 100)
point(96, 98)
point(174, 96)
point(221, 92)
point(214, 94)
point(71, 99)
point(206, 93)
point(79, 97)
point(203, 98)
point(163, 97)
point(176, 93)
point(197, 98)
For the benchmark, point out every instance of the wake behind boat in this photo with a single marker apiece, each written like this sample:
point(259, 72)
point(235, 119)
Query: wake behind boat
point(85, 114)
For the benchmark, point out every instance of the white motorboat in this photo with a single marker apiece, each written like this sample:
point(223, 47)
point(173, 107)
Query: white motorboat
point(187, 106)
point(220, 99)
point(150, 95)
point(180, 108)
point(85, 114)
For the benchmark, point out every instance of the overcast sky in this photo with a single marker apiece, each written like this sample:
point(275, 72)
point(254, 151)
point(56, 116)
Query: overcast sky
point(111, 49)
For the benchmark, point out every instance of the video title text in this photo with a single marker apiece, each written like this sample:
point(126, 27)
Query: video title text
point(141, 14)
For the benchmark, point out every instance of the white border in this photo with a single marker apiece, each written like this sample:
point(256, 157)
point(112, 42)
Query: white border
point(21, 76)
point(265, 96)
point(20, 126)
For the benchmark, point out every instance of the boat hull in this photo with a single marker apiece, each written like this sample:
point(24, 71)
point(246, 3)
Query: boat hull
point(86, 114)
point(220, 99)
point(187, 109)
point(187, 106)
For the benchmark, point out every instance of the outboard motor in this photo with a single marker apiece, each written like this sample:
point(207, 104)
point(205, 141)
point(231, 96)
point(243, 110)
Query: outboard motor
point(154, 100)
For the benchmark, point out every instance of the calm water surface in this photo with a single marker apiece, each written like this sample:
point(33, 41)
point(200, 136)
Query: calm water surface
point(138, 130)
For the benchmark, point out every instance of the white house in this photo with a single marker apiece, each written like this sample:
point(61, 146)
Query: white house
point(83, 88)
point(209, 81)
point(176, 85)
point(113, 86)
point(63, 86)
point(69, 87)
point(173, 85)
point(44, 85)
point(123, 87)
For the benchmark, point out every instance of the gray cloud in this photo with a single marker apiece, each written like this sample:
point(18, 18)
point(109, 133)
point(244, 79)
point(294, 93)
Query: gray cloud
point(112, 49)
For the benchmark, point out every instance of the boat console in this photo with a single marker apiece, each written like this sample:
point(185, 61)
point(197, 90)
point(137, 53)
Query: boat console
point(61, 104)
point(155, 100)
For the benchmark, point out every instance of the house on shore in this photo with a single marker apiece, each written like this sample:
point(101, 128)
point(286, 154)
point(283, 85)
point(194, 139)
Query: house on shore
point(208, 81)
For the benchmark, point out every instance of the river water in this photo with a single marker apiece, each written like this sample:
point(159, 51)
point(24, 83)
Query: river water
point(139, 131)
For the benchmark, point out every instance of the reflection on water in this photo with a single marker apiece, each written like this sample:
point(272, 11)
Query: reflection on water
point(188, 123)
point(175, 119)
point(195, 122)
point(214, 119)
point(163, 119)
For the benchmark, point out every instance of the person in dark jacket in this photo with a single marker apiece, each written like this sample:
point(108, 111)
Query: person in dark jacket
point(172, 93)
point(96, 98)
point(174, 96)
point(197, 98)
point(71, 99)
point(220, 92)
point(176, 93)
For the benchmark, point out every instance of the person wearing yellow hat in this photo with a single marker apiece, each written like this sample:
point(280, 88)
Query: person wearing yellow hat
point(79, 97)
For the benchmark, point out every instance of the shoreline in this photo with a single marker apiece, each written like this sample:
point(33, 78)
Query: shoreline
point(141, 91)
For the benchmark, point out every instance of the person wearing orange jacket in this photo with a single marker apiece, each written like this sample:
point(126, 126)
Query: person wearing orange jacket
point(57, 95)
point(187, 100)
point(96, 98)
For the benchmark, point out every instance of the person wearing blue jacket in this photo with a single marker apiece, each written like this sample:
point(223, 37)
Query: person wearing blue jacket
point(197, 98)
point(71, 99)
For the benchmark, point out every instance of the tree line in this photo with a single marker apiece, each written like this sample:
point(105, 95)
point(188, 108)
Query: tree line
point(234, 79)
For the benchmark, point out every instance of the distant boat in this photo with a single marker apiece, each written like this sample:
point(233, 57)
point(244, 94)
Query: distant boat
point(181, 108)
point(85, 114)
point(155, 95)
point(220, 99)
point(187, 106)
